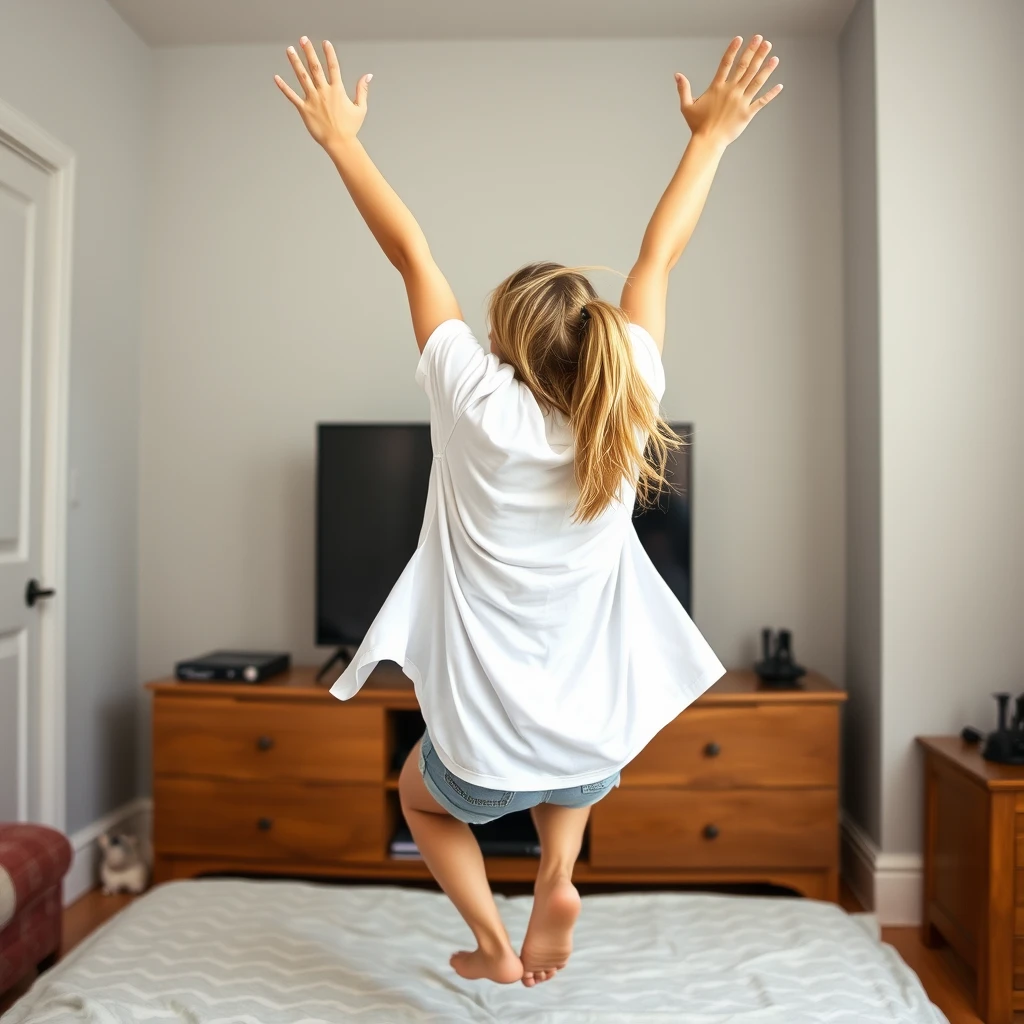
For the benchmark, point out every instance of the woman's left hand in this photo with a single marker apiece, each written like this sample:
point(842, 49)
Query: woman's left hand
point(326, 110)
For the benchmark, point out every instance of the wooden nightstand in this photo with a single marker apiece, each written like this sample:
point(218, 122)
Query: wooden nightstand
point(974, 869)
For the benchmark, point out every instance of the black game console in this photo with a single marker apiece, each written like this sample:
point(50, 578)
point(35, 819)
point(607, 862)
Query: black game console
point(233, 667)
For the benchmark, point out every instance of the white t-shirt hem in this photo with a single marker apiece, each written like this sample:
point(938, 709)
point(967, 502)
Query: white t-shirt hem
point(363, 664)
point(533, 783)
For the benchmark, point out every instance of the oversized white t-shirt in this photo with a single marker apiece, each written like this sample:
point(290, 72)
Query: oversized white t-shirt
point(545, 652)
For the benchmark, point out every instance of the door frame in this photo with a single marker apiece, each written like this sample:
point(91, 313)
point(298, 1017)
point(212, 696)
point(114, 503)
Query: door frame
point(38, 146)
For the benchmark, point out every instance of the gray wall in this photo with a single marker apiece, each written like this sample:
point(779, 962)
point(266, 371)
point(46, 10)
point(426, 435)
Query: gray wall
point(863, 713)
point(74, 68)
point(950, 152)
point(270, 308)
point(934, 389)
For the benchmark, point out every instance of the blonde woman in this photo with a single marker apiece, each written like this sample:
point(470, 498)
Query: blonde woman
point(545, 649)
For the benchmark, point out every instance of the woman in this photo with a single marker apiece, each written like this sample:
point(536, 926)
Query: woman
point(545, 649)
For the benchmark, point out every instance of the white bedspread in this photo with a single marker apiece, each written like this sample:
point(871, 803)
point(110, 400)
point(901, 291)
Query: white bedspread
point(218, 951)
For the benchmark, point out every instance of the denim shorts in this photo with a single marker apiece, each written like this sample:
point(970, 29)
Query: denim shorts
point(476, 805)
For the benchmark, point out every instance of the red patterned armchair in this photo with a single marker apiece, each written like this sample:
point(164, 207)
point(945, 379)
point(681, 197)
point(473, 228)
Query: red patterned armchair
point(33, 863)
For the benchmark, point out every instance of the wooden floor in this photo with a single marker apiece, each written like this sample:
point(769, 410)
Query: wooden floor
point(944, 978)
point(946, 984)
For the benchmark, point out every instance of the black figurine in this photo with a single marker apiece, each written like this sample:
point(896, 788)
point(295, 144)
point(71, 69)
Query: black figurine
point(1006, 744)
point(777, 667)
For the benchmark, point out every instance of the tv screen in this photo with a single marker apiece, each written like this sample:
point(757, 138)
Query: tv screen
point(371, 491)
point(664, 529)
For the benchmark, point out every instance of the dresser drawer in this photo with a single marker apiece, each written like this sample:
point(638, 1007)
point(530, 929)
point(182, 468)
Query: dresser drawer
point(742, 747)
point(676, 828)
point(246, 739)
point(268, 821)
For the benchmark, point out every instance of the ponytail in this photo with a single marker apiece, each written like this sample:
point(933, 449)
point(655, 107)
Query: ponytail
point(614, 418)
point(575, 354)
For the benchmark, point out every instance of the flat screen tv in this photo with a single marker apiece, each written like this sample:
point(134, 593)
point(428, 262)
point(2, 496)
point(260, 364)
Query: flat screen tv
point(371, 491)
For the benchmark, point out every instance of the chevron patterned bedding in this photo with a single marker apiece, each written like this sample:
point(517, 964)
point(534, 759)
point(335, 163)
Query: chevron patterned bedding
point(268, 952)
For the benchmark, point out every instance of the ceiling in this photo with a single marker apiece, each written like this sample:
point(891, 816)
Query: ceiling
point(220, 22)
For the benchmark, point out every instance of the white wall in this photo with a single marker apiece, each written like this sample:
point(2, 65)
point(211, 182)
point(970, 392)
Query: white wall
point(270, 308)
point(862, 717)
point(74, 68)
point(950, 152)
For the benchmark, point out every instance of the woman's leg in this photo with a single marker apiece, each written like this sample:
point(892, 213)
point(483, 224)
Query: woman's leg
point(556, 903)
point(453, 855)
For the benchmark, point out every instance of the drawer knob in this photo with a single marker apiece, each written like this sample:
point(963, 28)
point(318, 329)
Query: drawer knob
point(265, 743)
point(712, 750)
point(265, 824)
point(710, 831)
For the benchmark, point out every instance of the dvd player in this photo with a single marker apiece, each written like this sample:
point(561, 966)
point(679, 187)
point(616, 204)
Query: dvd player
point(233, 667)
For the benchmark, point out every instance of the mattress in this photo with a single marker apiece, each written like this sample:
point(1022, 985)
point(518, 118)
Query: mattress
point(218, 951)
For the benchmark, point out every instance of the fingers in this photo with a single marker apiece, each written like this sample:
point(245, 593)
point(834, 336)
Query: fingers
point(763, 101)
point(300, 72)
point(745, 58)
point(727, 58)
point(288, 91)
point(316, 71)
point(756, 62)
point(685, 96)
point(362, 90)
point(761, 77)
point(333, 69)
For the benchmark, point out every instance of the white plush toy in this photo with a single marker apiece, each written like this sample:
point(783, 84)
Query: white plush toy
point(124, 868)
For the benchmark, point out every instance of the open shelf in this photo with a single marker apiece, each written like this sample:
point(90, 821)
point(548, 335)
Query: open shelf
point(507, 842)
point(403, 730)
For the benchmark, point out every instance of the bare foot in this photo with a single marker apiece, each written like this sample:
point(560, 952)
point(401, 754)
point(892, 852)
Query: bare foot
point(502, 966)
point(548, 942)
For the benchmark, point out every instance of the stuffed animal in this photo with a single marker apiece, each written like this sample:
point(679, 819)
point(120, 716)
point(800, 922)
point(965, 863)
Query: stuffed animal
point(123, 868)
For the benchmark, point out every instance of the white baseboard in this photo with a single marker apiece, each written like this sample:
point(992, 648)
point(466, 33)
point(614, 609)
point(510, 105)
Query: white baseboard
point(888, 884)
point(134, 817)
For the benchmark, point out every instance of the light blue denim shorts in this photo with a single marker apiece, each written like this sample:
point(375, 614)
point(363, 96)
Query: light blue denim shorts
point(476, 805)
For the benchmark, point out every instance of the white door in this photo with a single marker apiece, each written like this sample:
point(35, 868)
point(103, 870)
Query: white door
point(26, 301)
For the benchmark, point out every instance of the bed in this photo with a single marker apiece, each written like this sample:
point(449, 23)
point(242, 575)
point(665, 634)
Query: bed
point(262, 952)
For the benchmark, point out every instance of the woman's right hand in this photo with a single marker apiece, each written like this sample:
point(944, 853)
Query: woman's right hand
point(730, 102)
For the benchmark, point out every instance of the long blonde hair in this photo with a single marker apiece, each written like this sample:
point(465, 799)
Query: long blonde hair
point(574, 352)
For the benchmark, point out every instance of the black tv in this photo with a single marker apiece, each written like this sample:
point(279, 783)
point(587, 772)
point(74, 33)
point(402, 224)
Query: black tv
point(371, 490)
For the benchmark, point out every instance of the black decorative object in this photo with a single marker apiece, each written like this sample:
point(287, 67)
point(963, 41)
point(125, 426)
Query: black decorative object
point(971, 735)
point(1006, 744)
point(777, 667)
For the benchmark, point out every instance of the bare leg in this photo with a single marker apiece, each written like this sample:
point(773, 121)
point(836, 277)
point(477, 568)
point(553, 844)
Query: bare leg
point(556, 903)
point(454, 858)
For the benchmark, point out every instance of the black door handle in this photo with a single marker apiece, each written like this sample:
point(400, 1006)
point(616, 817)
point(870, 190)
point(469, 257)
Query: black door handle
point(265, 824)
point(710, 831)
point(34, 592)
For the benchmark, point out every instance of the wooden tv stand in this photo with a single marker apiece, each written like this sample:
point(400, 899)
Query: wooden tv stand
point(283, 779)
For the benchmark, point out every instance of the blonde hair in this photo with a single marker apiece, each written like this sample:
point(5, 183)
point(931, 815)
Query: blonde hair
point(574, 352)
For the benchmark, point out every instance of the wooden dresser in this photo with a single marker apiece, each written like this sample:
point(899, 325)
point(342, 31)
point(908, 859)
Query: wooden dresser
point(974, 869)
point(282, 778)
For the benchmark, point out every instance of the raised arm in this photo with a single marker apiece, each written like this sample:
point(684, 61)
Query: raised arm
point(716, 118)
point(334, 122)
